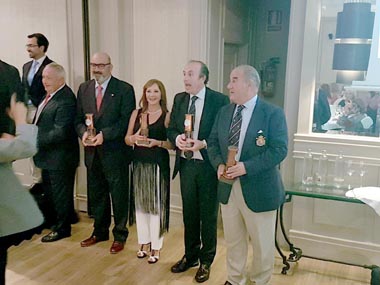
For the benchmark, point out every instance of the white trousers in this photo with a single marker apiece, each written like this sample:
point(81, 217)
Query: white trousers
point(242, 225)
point(148, 229)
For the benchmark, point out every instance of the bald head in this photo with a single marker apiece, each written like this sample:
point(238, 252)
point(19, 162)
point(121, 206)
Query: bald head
point(101, 67)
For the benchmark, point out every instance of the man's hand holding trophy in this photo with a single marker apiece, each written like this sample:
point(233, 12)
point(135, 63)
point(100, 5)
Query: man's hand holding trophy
point(90, 137)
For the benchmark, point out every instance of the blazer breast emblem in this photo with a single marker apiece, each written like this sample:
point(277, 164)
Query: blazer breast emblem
point(260, 139)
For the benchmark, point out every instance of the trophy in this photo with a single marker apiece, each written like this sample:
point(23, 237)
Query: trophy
point(232, 151)
point(189, 121)
point(144, 131)
point(91, 131)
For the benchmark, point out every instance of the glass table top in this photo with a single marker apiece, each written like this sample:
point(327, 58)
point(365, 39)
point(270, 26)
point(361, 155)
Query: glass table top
point(314, 191)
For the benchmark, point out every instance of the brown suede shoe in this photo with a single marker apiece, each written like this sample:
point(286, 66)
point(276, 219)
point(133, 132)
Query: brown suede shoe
point(91, 241)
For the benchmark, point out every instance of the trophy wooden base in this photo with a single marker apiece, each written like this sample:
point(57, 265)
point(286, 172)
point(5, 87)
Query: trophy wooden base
point(142, 142)
point(227, 180)
point(89, 142)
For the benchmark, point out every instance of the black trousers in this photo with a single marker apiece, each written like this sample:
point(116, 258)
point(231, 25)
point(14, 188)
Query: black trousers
point(59, 189)
point(3, 264)
point(108, 181)
point(200, 209)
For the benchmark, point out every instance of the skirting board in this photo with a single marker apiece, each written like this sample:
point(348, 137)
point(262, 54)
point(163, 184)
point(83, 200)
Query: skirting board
point(335, 248)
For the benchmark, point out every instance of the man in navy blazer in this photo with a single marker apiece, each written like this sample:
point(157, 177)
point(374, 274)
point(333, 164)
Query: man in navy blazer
point(37, 46)
point(58, 149)
point(111, 102)
point(249, 205)
point(198, 178)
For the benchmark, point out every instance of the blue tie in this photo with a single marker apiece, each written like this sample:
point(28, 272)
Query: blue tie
point(32, 72)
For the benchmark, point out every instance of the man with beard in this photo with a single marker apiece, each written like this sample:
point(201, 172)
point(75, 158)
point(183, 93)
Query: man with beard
point(36, 46)
point(110, 102)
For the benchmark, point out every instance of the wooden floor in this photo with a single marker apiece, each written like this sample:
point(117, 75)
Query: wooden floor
point(65, 262)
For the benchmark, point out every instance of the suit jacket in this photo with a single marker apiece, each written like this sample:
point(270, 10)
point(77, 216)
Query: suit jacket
point(58, 146)
point(112, 119)
point(36, 90)
point(262, 185)
point(18, 210)
point(213, 102)
point(9, 83)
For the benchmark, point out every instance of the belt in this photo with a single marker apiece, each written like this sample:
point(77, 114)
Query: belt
point(193, 160)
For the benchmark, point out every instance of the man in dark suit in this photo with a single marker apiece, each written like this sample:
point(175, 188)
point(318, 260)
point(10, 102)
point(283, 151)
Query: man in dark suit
point(58, 148)
point(198, 178)
point(37, 46)
point(9, 83)
point(111, 102)
point(249, 205)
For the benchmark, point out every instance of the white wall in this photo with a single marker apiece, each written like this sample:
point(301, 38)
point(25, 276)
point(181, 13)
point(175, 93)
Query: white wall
point(30, 16)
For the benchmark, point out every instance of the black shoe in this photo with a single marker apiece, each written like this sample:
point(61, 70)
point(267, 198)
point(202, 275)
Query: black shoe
point(183, 265)
point(54, 236)
point(203, 273)
point(228, 283)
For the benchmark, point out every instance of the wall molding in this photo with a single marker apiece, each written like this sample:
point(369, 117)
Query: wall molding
point(335, 248)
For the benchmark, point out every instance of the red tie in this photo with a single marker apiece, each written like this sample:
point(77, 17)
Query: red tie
point(99, 97)
point(47, 98)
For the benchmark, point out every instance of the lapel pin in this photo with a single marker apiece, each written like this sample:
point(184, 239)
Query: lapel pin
point(260, 139)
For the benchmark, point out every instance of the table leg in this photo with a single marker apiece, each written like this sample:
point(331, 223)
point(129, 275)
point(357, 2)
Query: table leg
point(296, 252)
point(283, 256)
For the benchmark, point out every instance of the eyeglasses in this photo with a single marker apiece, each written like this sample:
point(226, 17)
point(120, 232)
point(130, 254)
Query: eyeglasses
point(30, 46)
point(99, 65)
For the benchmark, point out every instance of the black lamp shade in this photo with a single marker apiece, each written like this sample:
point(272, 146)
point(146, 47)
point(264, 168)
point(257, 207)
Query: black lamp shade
point(351, 56)
point(353, 34)
point(356, 21)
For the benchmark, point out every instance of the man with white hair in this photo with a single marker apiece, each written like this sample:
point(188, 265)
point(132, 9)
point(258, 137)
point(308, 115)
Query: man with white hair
point(250, 200)
point(58, 148)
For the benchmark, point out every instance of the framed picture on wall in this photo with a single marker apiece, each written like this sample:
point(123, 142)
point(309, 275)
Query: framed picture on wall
point(274, 21)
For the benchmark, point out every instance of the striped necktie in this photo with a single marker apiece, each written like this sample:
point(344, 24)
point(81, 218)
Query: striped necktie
point(192, 105)
point(233, 137)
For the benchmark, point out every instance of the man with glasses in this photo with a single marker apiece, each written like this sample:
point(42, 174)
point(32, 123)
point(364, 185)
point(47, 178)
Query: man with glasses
point(106, 103)
point(37, 46)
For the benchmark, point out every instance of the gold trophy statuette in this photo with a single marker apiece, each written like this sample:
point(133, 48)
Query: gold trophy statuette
point(91, 131)
point(231, 161)
point(144, 131)
point(189, 121)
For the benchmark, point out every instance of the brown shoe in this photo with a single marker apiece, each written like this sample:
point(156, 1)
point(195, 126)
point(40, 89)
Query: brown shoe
point(90, 241)
point(116, 247)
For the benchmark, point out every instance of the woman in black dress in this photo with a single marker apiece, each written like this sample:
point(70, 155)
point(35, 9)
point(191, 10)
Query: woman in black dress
point(151, 172)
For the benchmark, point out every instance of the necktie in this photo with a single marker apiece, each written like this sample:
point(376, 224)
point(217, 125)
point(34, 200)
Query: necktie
point(233, 137)
point(192, 105)
point(32, 72)
point(189, 154)
point(99, 97)
point(41, 107)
